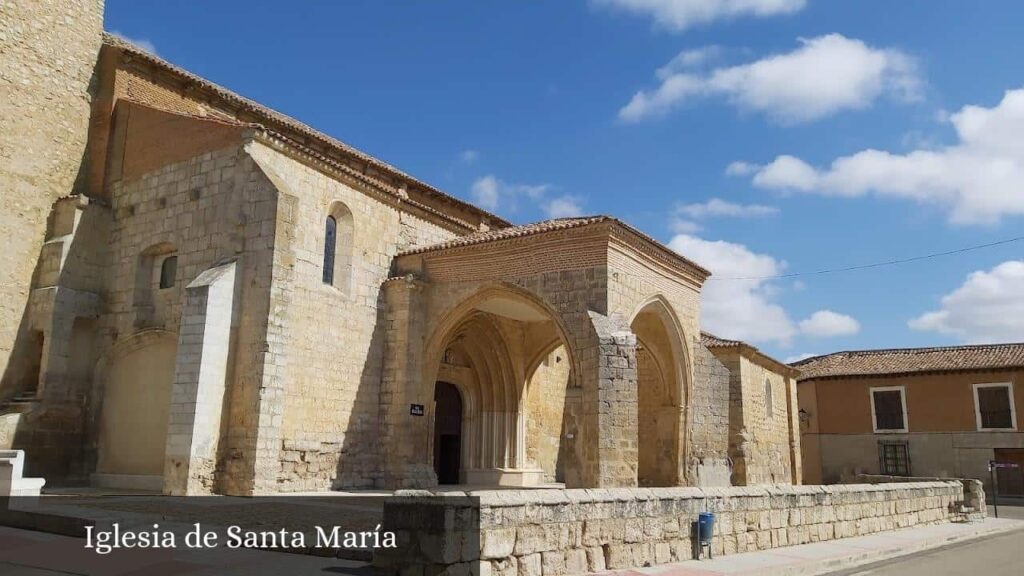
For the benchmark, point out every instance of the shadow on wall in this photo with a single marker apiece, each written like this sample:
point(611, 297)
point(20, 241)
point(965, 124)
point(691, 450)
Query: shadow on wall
point(46, 383)
point(554, 402)
point(360, 462)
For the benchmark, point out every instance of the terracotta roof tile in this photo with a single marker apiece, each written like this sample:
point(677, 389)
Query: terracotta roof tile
point(912, 360)
point(512, 232)
point(711, 341)
point(551, 226)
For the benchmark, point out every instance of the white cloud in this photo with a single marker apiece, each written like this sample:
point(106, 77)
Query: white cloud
point(688, 60)
point(742, 309)
point(563, 207)
point(823, 76)
point(979, 180)
point(740, 169)
point(740, 299)
point(469, 156)
point(142, 43)
point(787, 172)
point(798, 357)
point(682, 14)
point(716, 207)
point(494, 194)
point(487, 192)
point(987, 307)
point(683, 226)
point(826, 323)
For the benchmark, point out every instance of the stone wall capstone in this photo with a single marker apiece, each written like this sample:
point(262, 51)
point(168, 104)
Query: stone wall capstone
point(563, 532)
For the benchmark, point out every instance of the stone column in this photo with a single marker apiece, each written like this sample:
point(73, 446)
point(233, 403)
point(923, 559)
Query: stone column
point(793, 417)
point(610, 407)
point(404, 438)
point(200, 374)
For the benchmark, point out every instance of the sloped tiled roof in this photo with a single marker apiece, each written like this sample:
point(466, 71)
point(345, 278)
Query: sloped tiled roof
point(552, 226)
point(912, 360)
point(276, 121)
point(711, 341)
point(512, 232)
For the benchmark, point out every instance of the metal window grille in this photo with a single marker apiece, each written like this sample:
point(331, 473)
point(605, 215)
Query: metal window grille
point(894, 458)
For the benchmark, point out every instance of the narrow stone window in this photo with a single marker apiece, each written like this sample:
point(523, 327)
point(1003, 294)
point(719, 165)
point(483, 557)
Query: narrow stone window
point(155, 271)
point(330, 248)
point(339, 248)
point(769, 403)
point(168, 272)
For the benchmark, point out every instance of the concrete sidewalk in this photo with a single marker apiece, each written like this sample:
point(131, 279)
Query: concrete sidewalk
point(834, 555)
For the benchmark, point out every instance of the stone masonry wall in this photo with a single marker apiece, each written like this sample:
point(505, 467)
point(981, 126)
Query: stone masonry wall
point(209, 208)
point(563, 274)
point(333, 352)
point(48, 51)
point(556, 533)
point(708, 420)
point(974, 491)
point(552, 410)
point(634, 279)
point(768, 452)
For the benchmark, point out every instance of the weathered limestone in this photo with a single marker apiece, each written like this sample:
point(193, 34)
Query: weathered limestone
point(197, 394)
point(235, 303)
point(48, 51)
point(974, 490)
point(764, 440)
point(12, 481)
point(561, 532)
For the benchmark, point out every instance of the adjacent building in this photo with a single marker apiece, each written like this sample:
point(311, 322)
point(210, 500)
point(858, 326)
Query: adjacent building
point(933, 412)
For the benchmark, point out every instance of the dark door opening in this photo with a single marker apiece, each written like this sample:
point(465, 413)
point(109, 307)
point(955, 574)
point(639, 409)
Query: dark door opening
point(1011, 480)
point(447, 433)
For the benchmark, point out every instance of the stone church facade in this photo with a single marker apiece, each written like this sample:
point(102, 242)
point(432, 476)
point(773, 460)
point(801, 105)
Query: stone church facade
point(215, 298)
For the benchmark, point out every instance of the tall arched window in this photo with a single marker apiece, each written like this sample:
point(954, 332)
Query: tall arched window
point(330, 246)
point(339, 248)
point(769, 405)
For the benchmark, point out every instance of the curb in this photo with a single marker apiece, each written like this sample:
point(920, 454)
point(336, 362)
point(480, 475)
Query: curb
point(811, 567)
point(872, 557)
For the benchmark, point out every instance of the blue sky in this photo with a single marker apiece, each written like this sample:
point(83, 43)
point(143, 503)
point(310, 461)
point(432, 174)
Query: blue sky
point(759, 137)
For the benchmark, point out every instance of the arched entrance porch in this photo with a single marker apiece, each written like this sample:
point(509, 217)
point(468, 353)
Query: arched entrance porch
point(662, 384)
point(484, 356)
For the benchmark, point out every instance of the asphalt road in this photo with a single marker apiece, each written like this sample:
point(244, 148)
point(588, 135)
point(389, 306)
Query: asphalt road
point(1001, 555)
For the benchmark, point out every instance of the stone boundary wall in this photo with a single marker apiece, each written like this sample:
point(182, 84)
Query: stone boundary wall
point(974, 490)
point(562, 532)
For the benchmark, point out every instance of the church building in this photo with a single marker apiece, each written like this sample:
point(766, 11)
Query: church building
point(214, 298)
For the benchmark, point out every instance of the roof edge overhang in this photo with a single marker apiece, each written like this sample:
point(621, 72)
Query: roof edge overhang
point(387, 192)
point(290, 128)
point(643, 243)
point(934, 372)
point(753, 353)
point(613, 229)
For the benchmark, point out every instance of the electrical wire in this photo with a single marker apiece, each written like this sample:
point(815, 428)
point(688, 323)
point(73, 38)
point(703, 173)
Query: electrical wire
point(874, 264)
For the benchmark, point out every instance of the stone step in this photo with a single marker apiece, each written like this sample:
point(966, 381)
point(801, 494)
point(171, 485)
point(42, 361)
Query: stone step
point(18, 405)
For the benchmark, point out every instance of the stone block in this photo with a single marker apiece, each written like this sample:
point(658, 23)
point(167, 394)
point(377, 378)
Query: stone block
point(530, 565)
